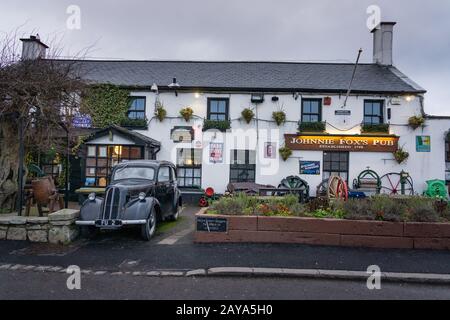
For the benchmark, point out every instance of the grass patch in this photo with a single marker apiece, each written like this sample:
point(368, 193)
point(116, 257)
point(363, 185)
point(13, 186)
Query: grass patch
point(165, 226)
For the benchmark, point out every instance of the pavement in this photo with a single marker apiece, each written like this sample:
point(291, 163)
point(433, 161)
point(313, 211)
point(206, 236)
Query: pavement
point(172, 254)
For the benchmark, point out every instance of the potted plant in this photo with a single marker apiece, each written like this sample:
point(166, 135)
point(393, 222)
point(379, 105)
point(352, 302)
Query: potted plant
point(134, 123)
point(160, 112)
point(248, 114)
point(375, 128)
point(285, 153)
point(401, 155)
point(279, 117)
point(221, 125)
point(416, 121)
point(187, 113)
point(311, 127)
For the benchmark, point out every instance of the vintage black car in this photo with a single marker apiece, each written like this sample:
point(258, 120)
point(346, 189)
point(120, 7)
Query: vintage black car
point(140, 193)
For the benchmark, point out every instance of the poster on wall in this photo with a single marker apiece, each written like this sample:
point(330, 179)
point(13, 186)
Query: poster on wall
point(270, 150)
point(423, 144)
point(310, 167)
point(216, 152)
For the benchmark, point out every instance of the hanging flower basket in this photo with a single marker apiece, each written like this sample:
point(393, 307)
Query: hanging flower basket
point(285, 153)
point(401, 155)
point(160, 112)
point(416, 121)
point(279, 117)
point(187, 113)
point(248, 115)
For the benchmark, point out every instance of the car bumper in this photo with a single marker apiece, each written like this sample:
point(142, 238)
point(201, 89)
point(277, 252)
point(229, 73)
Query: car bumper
point(109, 223)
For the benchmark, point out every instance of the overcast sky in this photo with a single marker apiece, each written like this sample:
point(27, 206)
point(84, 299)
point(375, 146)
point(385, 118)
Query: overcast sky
point(292, 30)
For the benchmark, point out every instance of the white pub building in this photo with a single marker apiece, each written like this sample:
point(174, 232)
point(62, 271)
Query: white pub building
point(328, 128)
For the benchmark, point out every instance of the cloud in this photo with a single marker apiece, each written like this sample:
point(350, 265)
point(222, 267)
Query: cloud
point(250, 30)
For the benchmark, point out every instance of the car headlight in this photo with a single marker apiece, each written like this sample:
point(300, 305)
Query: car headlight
point(91, 197)
point(142, 196)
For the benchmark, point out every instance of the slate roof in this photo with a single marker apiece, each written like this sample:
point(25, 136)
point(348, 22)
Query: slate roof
point(250, 76)
point(135, 136)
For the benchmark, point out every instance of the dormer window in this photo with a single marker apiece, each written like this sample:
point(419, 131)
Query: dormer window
point(373, 111)
point(218, 109)
point(311, 110)
point(136, 108)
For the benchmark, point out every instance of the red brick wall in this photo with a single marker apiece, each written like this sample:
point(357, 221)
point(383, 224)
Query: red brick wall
point(374, 234)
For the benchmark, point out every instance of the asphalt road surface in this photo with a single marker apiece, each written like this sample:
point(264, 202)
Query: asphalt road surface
point(33, 285)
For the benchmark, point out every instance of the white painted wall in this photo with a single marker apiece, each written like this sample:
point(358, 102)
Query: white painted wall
point(421, 166)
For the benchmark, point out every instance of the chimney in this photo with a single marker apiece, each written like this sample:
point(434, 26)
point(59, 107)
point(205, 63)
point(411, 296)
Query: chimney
point(33, 48)
point(383, 36)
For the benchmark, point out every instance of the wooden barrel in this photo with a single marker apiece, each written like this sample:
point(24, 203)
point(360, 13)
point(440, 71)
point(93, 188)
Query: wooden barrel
point(42, 190)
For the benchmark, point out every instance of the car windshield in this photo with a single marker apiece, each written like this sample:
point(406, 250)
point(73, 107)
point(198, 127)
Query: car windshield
point(126, 172)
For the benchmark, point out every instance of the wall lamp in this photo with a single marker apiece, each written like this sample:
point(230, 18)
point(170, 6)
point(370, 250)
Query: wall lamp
point(174, 85)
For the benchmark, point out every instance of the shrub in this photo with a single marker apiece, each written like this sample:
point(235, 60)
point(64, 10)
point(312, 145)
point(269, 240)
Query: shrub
point(248, 114)
point(423, 212)
point(134, 123)
point(311, 127)
point(358, 209)
point(375, 128)
point(221, 125)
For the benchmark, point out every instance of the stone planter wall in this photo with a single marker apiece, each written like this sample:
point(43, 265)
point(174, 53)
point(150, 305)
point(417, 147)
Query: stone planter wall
point(58, 228)
point(333, 232)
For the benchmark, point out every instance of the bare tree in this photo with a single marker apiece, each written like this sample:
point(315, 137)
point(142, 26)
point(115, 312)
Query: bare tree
point(39, 96)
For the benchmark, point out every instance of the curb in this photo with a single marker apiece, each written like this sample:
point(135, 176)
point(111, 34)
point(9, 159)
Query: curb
point(247, 272)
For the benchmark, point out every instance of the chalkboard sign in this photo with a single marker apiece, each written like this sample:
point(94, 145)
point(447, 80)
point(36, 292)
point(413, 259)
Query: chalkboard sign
point(212, 224)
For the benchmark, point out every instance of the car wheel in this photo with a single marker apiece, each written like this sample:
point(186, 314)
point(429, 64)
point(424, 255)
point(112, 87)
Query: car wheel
point(149, 228)
point(88, 231)
point(174, 217)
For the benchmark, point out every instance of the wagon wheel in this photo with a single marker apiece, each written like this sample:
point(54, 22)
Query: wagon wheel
point(294, 182)
point(322, 188)
point(391, 184)
point(337, 188)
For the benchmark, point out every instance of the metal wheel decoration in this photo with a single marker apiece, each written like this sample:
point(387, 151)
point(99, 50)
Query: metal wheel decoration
point(322, 188)
point(337, 188)
point(294, 182)
point(395, 183)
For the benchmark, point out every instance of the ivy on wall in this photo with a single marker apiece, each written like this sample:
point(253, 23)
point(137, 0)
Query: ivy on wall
point(107, 104)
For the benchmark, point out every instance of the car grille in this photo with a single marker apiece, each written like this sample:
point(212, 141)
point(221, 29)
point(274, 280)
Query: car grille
point(112, 204)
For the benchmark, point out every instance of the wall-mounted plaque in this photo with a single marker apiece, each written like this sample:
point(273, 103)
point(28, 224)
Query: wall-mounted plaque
point(216, 152)
point(212, 224)
point(310, 167)
point(423, 143)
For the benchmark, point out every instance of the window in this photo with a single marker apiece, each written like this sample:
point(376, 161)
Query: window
point(136, 109)
point(335, 163)
point(218, 109)
point(373, 112)
point(243, 166)
point(134, 173)
point(311, 110)
point(189, 168)
point(101, 158)
point(164, 174)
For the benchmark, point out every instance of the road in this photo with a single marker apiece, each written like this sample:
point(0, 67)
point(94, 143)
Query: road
point(32, 285)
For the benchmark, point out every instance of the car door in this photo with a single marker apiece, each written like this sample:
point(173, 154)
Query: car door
point(162, 189)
